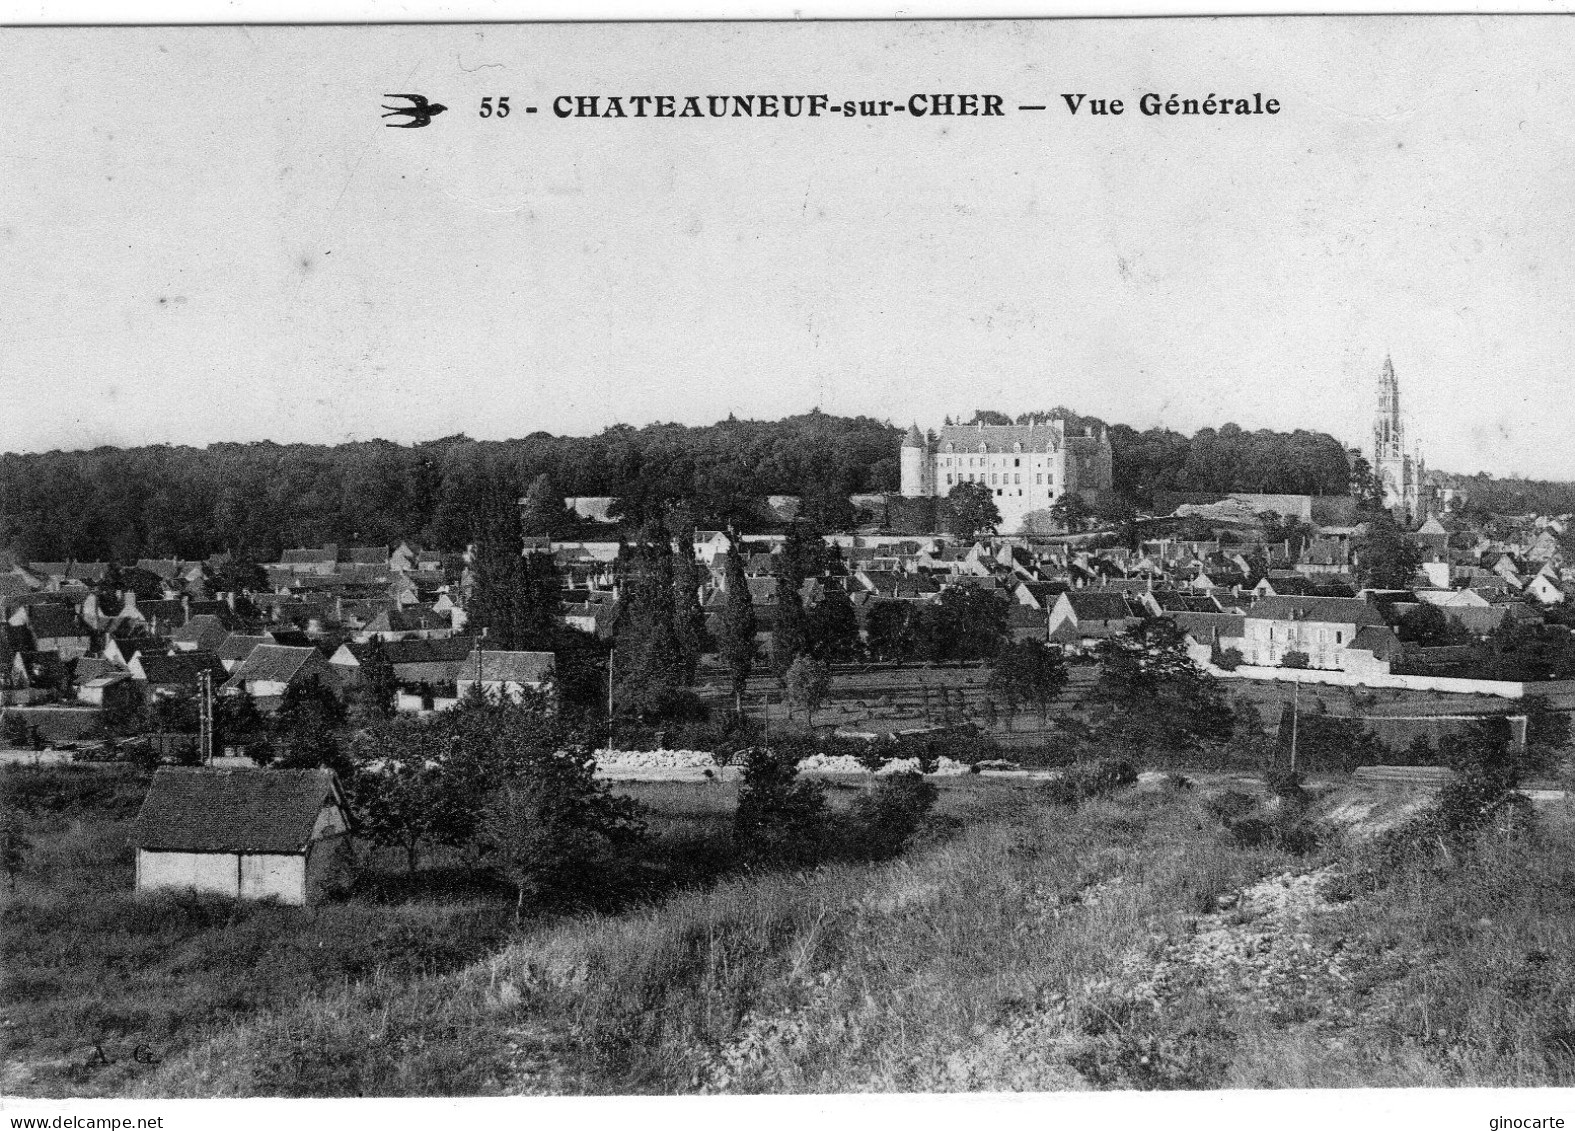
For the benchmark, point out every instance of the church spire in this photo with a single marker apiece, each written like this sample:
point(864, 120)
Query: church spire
point(1388, 432)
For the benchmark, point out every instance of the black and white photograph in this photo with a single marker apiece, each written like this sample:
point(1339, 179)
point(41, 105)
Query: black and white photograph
point(831, 558)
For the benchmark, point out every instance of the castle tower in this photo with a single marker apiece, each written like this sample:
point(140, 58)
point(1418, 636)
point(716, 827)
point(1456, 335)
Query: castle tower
point(914, 459)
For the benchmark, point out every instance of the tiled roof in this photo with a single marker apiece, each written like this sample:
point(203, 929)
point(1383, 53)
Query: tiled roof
point(1005, 438)
point(508, 667)
point(325, 556)
point(52, 621)
point(1207, 627)
point(207, 632)
point(450, 650)
point(1092, 604)
point(1326, 610)
point(206, 810)
point(273, 663)
point(237, 646)
point(1377, 639)
point(182, 669)
point(415, 620)
point(365, 555)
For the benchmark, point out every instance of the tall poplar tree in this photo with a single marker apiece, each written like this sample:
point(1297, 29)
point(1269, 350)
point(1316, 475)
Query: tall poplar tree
point(688, 617)
point(648, 659)
point(516, 595)
point(802, 557)
point(738, 623)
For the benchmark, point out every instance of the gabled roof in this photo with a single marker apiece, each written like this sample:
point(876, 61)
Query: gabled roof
point(274, 663)
point(206, 810)
point(326, 556)
point(447, 650)
point(415, 620)
point(365, 555)
point(1377, 639)
point(207, 632)
point(237, 646)
point(92, 667)
point(52, 621)
point(182, 669)
point(170, 613)
point(508, 667)
point(1092, 604)
point(15, 584)
point(1208, 627)
point(1327, 610)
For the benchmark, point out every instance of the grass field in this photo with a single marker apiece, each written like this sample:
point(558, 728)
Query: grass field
point(1021, 945)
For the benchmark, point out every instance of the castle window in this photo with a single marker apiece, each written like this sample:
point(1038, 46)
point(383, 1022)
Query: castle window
point(1017, 479)
point(948, 480)
point(1040, 478)
point(1017, 463)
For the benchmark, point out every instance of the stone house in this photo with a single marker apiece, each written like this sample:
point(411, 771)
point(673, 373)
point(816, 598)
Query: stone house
point(246, 834)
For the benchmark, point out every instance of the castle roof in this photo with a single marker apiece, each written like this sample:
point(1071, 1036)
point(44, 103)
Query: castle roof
point(914, 439)
point(1010, 437)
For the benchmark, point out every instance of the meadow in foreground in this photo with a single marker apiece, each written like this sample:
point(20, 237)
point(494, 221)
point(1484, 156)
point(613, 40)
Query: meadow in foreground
point(1122, 943)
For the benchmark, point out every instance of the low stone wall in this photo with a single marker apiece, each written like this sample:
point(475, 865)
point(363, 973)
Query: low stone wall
point(1501, 689)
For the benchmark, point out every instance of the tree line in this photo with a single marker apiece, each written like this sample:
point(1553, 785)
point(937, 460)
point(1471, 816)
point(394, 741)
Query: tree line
point(257, 499)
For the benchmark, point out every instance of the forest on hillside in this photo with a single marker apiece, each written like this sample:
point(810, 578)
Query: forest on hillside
point(256, 499)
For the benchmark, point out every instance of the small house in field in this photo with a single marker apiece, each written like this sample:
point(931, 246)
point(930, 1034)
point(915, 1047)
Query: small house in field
point(247, 834)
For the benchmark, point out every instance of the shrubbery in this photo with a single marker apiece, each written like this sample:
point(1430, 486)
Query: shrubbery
point(1482, 792)
point(1248, 825)
point(884, 819)
point(1088, 781)
point(781, 818)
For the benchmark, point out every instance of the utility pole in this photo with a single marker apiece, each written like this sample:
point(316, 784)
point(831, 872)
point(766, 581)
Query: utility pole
point(1296, 703)
point(611, 652)
point(205, 716)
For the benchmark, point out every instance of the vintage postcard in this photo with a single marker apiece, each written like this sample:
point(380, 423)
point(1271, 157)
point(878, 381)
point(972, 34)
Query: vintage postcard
point(699, 559)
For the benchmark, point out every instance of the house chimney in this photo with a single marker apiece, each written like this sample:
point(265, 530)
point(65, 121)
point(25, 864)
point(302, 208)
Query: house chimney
point(185, 608)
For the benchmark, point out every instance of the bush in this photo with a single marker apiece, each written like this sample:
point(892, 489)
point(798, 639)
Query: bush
point(1177, 783)
point(780, 818)
point(1296, 837)
point(884, 819)
point(1229, 806)
point(1086, 782)
point(1286, 785)
point(1228, 659)
point(1294, 659)
point(1250, 832)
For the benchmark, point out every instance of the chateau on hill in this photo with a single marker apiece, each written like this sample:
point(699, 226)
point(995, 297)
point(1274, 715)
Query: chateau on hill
point(1027, 467)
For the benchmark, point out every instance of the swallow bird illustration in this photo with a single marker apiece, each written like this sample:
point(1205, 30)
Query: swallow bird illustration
point(420, 111)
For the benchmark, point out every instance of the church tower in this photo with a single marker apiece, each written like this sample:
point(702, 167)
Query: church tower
point(1398, 470)
point(1388, 430)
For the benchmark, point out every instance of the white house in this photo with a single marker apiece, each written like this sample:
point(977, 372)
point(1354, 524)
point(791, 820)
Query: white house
point(1334, 633)
point(246, 834)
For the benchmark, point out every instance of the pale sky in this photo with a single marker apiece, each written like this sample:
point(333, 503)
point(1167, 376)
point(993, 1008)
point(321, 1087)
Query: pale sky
point(208, 234)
